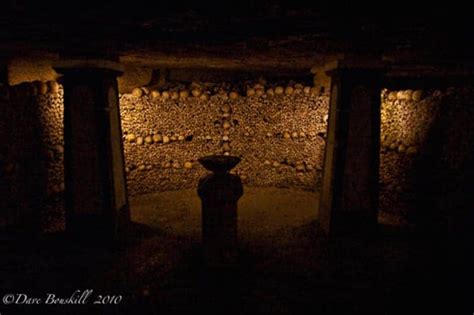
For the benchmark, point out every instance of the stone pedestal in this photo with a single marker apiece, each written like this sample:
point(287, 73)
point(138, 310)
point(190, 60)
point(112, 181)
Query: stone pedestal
point(349, 197)
point(95, 186)
point(219, 193)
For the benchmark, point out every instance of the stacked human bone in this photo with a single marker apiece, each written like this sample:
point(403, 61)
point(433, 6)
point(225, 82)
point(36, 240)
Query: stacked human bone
point(32, 159)
point(278, 131)
point(422, 129)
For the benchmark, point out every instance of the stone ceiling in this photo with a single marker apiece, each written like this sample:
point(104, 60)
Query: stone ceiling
point(234, 35)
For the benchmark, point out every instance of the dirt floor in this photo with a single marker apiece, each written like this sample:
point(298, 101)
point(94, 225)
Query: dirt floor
point(284, 264)
point(262, 212)
point(265, 214)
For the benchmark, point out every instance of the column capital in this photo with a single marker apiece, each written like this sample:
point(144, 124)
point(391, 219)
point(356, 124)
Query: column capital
point(355, 63)
point(66, 65)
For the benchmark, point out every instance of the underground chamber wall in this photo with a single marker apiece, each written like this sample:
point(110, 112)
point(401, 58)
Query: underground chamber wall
point(426, 155)
point(279, 130)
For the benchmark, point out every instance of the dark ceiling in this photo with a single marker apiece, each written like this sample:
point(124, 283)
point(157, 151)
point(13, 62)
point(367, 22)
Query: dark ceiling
point(235, 29)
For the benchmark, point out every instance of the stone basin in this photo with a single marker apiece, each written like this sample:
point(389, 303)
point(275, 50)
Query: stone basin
point(219, 163)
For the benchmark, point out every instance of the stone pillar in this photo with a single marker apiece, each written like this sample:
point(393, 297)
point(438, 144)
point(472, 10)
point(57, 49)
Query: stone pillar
point(219, 193)
point(95, 187)
point(349, 197)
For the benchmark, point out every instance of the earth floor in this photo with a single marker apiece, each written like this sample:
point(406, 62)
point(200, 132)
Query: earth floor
point(283, 265)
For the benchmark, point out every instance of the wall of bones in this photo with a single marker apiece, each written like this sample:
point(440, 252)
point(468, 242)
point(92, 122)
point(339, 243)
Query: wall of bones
point(279, 130)
point(426, 157)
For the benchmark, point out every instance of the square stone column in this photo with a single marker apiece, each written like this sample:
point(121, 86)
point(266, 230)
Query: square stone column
point(95, 185)
point(349, 197)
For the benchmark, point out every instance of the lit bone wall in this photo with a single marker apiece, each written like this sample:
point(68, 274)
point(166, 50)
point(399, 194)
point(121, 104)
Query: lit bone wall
point(278, 130)
point(426, 150)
